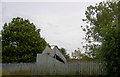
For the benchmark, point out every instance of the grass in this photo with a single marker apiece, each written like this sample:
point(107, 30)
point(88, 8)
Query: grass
point(30, 73)
point(83, 72)
point(23, 73)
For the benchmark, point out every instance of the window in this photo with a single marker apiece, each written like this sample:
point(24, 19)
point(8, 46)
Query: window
point(58, 58)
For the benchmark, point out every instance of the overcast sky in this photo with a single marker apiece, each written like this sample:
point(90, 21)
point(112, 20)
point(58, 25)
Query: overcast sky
point(60, 22)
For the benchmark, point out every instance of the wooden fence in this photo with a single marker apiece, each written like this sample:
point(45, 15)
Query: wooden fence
point(70, 68)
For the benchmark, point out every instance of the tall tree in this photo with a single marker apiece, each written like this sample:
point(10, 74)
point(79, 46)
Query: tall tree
point(0, 48)
point(0, 44)
point(63, 51)
point(104, 28)
point(21, 41)
point(77, 54)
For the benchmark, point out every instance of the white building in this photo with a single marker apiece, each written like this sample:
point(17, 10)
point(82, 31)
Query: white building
point(50, 56)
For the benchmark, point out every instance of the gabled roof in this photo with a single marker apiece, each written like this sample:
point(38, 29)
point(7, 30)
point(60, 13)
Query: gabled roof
point(47, 50)
point(55, 51)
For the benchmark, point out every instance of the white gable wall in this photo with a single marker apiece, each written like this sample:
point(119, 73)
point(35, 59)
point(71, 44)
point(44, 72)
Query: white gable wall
point(48, 63)
point(46, 50)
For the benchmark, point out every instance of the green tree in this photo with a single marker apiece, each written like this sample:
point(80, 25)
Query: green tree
point(85, 58)
point(21, 41)
point(63, 51)
point(82, 56)
point(0, 48)
point(0, 44)
point(77, 54)
point(104, 28)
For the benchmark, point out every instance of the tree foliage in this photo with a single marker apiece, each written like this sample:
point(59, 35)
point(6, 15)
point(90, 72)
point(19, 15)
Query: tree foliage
point(0, 44)
point(63, 51)
point(81, 56)
point(0, 48)
point(21, 41)
point(77, 54)
point(104, 28)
